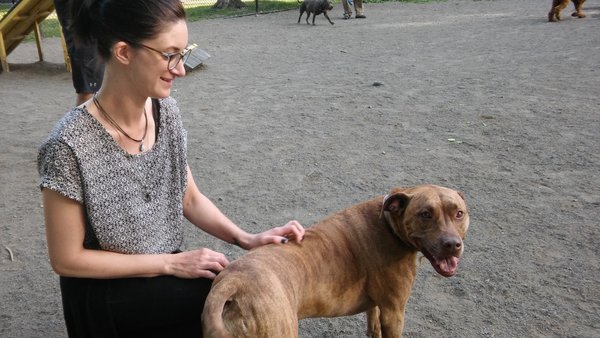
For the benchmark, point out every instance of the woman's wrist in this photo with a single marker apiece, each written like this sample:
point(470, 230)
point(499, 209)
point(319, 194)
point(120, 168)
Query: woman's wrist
point(243, 240)
point(166, 265)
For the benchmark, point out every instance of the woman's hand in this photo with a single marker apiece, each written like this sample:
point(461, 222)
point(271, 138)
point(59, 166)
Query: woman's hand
point(200, 211)
point(291, 231)
point(200, 263)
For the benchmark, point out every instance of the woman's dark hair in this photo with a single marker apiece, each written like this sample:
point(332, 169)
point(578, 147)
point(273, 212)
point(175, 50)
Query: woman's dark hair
point(105, 22)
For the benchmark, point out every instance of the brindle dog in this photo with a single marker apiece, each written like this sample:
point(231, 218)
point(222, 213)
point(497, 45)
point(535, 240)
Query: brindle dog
point(363, 258)
point(559, 5)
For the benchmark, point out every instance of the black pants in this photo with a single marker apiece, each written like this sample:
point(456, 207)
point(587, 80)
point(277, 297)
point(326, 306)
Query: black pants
point(87, 70)
point(163, 306)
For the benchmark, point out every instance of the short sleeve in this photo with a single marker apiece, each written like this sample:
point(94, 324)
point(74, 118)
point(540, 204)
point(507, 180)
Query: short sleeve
point(59, 171)
point(178, 135)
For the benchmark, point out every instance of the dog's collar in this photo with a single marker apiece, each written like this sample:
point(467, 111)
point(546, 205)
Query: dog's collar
point(386, 214)
point(387, 219)
point(385, 197)
point(389, 222)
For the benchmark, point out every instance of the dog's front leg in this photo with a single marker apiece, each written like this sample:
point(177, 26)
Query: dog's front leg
point(392, 321)
point(327, 16)
point(373, 323)
point(308, 16)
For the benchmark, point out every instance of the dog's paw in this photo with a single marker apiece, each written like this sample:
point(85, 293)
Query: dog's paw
point(578, 15)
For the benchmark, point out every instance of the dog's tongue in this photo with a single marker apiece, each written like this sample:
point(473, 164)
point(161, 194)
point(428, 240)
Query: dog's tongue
point(446, 266)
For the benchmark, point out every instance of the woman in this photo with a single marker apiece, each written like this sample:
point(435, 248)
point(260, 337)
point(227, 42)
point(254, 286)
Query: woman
point(116, 185)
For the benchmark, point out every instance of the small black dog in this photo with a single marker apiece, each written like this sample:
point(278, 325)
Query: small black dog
point(315, 7)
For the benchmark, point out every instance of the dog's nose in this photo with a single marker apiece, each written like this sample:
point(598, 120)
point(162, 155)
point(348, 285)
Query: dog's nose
point(452, 244)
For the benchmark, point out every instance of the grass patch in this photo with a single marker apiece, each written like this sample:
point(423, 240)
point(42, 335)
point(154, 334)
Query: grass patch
point(196, 13)
point(410, 1)
point(51, 28)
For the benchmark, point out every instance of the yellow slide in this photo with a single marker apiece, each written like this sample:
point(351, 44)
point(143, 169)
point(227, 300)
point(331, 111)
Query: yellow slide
point(25, 16)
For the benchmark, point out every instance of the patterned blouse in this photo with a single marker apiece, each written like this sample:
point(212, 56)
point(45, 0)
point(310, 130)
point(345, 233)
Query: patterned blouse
point(133, 203)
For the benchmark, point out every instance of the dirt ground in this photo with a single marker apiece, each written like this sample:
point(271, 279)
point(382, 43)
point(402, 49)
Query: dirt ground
point(285, 123)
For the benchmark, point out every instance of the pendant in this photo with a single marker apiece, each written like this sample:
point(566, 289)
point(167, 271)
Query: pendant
point(142, 146)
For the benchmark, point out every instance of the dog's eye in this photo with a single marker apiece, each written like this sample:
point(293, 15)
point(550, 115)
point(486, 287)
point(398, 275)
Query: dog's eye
point(425, 214)
point(460, 214)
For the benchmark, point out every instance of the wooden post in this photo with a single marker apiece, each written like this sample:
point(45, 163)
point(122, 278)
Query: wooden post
point(63, 42)
point(24, 17)
point(3, 55)
point(38, 39)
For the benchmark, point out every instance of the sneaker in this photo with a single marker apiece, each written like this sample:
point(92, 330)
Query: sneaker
point(347, 16)
point(361, 16)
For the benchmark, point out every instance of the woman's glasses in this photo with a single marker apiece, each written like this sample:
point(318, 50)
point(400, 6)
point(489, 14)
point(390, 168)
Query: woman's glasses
point(172, 58)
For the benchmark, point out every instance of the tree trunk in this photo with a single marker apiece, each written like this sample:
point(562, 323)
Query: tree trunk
point(220, 4)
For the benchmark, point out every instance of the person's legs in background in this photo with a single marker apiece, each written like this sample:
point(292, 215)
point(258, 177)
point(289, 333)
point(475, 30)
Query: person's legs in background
point(358, 6)
point(347, 11)
point(87, 69)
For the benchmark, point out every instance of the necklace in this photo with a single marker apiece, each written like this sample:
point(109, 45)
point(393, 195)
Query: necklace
point(105, 114)
point(140, 172)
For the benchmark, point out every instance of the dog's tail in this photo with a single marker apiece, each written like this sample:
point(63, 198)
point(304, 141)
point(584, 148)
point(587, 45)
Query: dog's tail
point(213, 325)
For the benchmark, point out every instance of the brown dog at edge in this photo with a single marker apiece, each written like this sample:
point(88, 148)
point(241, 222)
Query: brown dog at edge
point(559, 5)
point(363, 258)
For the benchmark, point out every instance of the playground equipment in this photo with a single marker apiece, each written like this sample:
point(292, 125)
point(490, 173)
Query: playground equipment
point(23, 18)
point(26, 16)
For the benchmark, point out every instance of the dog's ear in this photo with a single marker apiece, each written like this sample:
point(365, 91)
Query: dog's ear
point(395, 203)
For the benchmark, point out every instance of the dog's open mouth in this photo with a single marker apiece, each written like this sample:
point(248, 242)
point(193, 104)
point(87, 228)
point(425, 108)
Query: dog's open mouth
point(445, 266)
